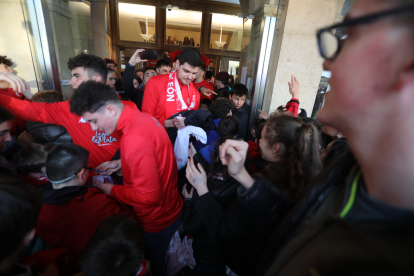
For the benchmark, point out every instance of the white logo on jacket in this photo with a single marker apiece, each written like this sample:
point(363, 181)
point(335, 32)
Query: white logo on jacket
point(82, 120)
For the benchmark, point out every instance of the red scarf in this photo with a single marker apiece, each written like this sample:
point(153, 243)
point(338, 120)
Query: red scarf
point(174, 100)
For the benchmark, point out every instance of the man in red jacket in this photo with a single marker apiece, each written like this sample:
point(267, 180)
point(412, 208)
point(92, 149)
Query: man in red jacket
point(71, 211)
point(149, 168)
point(200, 82)
point(102, 147)
point(166, 95)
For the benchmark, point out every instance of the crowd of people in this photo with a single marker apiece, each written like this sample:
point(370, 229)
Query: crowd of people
point(106, 182)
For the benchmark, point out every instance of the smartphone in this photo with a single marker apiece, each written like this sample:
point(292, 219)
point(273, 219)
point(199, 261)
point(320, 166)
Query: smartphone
point(149, 55)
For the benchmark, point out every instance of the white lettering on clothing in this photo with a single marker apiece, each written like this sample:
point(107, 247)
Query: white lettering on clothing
point(102, 138)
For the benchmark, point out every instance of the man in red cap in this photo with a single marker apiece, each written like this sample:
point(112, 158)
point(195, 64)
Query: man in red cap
point(222, 81)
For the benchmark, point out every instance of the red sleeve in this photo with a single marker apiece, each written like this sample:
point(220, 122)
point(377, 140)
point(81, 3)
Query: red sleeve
point(31, 111)
point(141, 168)
point(293, 106)
point(151, 98)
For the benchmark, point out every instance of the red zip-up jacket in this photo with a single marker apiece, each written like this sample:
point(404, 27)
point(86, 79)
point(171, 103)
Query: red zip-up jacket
point(101, 147)
point(10, 92)
point(155, 97)
point(149, 171)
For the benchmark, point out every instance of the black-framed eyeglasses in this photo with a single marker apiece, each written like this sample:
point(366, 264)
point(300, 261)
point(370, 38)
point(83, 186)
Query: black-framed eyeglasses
point(329, 43)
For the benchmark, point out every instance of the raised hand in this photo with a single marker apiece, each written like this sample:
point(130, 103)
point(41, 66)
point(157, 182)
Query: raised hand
point(294, 87)
point(136, 57)
point(233, 154)
point(18, 84)
point(197, 177)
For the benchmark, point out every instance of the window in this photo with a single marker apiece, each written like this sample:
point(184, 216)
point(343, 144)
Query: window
point(227, 33)
point(183, 28)
point(136, 22)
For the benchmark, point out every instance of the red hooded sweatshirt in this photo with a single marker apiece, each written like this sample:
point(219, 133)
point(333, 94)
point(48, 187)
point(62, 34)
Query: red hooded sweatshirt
point(155, 97)
point(149, 171)
point(101, 147)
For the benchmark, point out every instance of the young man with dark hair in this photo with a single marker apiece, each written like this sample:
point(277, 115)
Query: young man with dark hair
point(175, 92)
point(149, 72)
point(363, 204)
point(20, 206)
point(199, 82)
point(71, 211)
point(227, 127)
point(241, 109)
point(149, 168)
point(87, 67)
point(163, 67)
point(102, 147)
point(30, 162)
point(174, 62)
point(116, 248)
point(222, 81)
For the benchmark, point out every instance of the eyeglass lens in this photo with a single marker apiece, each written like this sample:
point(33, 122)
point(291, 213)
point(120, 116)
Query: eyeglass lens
point(329, 44)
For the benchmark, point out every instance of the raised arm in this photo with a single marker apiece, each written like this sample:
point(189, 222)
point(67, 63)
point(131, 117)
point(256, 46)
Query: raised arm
point(293, 105)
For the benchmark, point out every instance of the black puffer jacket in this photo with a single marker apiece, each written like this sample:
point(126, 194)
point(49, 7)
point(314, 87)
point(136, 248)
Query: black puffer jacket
point(48, 134)
point(199, 118)
point(207, 250)
point(246, 225)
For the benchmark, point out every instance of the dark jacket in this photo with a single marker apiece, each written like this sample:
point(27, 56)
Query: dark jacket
point(135, 95)
point(199, 118)
point(48, 134)
point(243, 115)
point(313, 238)
point(208, 250)
point(246, 225)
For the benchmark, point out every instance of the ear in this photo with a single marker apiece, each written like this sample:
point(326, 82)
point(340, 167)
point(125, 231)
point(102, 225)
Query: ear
point(157, 70)
point(230, 97)
point(112, 110)
point(83, 175)
point(275, 148)
point(29, 236)
point(177, 63)
point(43, 170)
point(97, 78)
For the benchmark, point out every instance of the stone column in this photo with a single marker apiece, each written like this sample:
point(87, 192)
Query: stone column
point(295, 51)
